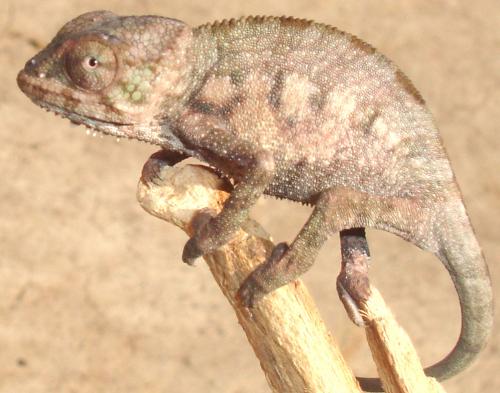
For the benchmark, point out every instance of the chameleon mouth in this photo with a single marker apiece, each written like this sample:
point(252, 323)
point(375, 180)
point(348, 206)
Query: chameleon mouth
point(34, 86)
point(148, 133)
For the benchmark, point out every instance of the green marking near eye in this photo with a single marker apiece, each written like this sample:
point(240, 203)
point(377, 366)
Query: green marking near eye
point(136, 79)
point(136, 95)
point(144, 85)
point(134, 87)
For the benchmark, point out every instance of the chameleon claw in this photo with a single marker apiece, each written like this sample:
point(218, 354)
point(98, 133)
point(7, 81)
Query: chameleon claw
point(152, 172)
point(200, 243)
point(278, 251)
point(350, 305)
point(250, 293)
point(191, 252)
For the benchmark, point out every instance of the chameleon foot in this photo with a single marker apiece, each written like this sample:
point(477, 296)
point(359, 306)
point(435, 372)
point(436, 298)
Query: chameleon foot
point(353, 285)
point(200, 243)
point(260, 282)
point(350, 305)
point(159, 161)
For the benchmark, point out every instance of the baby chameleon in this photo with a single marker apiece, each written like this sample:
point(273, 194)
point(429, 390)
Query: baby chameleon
point(283, 107)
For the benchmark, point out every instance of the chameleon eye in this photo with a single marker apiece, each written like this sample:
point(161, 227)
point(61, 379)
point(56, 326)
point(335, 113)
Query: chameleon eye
point(91, 65)
point(92, 62)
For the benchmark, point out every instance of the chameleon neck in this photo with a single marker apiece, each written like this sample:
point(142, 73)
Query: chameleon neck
point(201, 56)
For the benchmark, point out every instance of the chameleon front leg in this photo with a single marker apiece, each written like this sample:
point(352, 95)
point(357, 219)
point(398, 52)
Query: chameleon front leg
point(215, 232)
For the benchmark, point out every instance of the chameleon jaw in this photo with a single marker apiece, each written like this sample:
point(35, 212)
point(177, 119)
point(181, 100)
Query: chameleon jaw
point(153, 134)
point(106, 128)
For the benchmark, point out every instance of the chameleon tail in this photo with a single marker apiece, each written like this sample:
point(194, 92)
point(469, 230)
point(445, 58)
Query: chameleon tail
point(461, 255)
point(458, 249)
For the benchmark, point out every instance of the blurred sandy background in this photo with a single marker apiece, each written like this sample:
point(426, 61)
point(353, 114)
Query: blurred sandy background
point(94, 297)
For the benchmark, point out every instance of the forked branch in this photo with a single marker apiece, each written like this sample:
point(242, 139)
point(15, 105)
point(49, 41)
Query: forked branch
point(294, 347)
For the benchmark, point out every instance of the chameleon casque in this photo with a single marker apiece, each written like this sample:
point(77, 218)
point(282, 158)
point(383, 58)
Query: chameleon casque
point(283, 107)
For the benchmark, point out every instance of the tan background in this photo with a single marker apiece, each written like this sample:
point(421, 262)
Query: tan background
point(94, 297)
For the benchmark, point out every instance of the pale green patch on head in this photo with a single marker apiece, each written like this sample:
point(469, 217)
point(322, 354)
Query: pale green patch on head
point(136, 96)
point(135, 86)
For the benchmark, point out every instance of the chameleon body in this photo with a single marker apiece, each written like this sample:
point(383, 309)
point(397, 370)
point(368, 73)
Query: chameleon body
point(283, 107)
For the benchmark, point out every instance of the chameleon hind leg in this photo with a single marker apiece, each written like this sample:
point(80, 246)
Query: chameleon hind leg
point(333, 212)
point(353, 285)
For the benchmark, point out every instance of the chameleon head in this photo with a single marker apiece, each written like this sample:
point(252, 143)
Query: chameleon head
point(118, 75)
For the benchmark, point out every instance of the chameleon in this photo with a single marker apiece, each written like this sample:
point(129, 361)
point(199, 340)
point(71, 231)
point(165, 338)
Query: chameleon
point(283, 107)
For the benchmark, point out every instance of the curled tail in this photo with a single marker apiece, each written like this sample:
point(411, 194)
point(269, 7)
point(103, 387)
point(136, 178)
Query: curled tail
point(461, 255)
point(453, 241)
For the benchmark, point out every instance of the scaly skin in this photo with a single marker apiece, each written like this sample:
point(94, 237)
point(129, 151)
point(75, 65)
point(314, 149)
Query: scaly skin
point(284, 107)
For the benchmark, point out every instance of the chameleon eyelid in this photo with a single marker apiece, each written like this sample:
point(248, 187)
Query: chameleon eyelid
point(77, 67)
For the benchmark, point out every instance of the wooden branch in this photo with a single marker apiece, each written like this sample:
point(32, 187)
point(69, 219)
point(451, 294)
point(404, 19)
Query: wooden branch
point(285, 330)
point(294, 348)
point(397, 361)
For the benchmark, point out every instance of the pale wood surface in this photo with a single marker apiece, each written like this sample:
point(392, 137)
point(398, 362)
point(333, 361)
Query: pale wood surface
point(393, 352)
